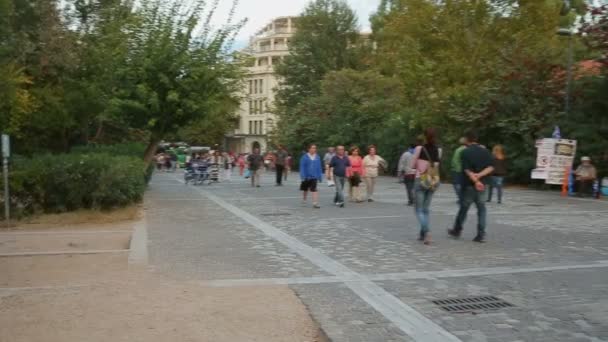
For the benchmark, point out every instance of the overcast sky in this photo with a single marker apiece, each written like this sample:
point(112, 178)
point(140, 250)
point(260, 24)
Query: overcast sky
point(260, 12)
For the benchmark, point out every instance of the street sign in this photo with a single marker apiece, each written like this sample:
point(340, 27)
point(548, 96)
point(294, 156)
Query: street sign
point(6, 146)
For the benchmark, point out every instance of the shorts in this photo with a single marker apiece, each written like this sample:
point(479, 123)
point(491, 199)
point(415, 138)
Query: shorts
point(309, 185)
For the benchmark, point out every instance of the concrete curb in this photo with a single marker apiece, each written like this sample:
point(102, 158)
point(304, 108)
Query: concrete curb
point(138, 254)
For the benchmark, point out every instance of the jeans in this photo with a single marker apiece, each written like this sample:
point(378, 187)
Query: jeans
point(496, 183)
point(279, 169)
point(409, 188)
point(469, 196)
point(370, 185)
point(255, 177)
point(340, 181)
point(423, 202)
point(457, 180)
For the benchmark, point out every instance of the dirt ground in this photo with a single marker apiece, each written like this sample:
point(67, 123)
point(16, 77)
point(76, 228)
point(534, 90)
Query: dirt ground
point(99, 297)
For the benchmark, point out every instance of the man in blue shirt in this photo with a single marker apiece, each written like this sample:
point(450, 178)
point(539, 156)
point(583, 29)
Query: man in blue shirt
point(338, 167)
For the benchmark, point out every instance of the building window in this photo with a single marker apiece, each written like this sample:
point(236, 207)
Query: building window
point(261, 86)
point(261, 127)
point(250, 86)
point(250, 107)
point(250, 127)
point(255, 86)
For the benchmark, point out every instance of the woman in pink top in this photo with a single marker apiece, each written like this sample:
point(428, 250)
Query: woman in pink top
point(355, 174)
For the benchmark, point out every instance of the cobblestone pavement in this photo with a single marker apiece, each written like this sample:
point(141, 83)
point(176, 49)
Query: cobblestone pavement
point(363, 275)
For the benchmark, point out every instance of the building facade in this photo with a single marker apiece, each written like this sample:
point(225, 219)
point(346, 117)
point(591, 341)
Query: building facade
point(255, 121)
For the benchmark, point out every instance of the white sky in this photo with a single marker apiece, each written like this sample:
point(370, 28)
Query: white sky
point(260, 12)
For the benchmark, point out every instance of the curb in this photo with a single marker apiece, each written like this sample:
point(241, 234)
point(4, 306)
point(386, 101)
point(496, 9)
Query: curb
point(138, 246)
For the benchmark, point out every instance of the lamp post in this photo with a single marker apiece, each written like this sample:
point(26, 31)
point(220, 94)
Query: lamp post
point(567, 32)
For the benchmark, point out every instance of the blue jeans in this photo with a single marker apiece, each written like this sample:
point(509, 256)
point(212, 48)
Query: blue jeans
point(496, 182)
point(423, 202)
point(457, 180)
point(339, 197)
point(469, 196)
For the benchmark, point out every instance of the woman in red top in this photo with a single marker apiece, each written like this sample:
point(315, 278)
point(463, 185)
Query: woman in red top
point(355, 174)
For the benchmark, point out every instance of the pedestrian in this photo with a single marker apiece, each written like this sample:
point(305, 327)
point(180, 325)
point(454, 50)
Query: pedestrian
point(477, 168)
point(160, 161)
point(255, 163)
point(279, 161)
point(241, 161)
point(355, 175)
point(311, 173)
point(456, 168)
point(331, 152)
point(227, 166)
point(408, 174)
point(426, 163)
point(173, 160)
point(372, 164)
point(586, 176)
point(500, 171)
point(338, 169)
point(288, 162)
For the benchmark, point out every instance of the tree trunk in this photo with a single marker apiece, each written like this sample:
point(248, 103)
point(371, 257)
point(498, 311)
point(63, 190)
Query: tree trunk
point(151, 150)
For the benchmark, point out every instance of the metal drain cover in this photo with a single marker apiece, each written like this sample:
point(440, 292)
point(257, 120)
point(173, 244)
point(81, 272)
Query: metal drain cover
point(276, 214)
point(472, 304)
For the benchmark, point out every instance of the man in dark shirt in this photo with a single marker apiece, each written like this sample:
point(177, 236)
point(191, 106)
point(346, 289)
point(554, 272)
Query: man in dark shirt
point(279, 162)
point(255, 162)
point(338, 169)
point(477, 167)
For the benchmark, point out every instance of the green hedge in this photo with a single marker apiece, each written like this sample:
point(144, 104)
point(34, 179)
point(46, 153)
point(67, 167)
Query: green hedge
point(127, 149)
point(67, 182)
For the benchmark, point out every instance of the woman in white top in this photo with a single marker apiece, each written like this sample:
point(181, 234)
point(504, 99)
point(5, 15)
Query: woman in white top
point(372, 163)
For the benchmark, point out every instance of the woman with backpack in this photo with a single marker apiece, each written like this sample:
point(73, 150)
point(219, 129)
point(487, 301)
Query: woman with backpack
point(426, 163)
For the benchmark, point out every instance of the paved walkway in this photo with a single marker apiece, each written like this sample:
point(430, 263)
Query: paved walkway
point(364, 276)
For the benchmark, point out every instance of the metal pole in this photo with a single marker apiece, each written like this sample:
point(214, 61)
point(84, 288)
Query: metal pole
point(569, 75)
point(7, 204)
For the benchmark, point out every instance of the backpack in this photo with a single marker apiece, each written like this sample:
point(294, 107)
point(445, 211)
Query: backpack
point(429, 180)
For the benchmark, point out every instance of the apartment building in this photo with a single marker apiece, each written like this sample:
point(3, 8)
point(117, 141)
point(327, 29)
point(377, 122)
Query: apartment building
point(255, 122)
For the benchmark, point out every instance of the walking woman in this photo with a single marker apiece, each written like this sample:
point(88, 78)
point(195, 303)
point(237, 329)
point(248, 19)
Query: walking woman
point(500, 171)
point(426, 164)
point(311, 173)
point(355, 175)
point(372, 163)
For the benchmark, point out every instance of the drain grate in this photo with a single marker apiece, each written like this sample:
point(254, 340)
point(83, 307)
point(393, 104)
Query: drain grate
point(276, 214)
point(471, 304)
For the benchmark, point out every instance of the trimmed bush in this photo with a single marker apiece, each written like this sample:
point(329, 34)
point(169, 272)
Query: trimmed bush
point(128, 149)
point(66, 182)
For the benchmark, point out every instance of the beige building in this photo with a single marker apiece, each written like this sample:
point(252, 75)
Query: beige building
point(255, 122)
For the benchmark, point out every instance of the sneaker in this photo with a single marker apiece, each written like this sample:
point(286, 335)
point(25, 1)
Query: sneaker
point(341, 204)
point(370, 200)
point(454, 233)
point(479, 238)
point(304, 203)
point(257, 186)
point(316, 206)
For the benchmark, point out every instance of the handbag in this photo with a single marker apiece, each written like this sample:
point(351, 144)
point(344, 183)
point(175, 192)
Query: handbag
point(430, 180)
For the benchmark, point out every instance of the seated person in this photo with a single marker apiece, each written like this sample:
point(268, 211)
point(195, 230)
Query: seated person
point(586, 175)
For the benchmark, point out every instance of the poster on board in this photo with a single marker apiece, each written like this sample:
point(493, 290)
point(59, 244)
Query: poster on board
point(552, 159)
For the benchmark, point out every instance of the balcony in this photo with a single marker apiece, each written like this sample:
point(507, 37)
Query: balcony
point(268, 48)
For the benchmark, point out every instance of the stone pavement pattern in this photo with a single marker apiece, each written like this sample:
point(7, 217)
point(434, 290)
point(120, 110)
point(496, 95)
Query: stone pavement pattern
point(364, 276)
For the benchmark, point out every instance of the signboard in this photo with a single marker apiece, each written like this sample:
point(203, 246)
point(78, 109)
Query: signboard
point(6, 146)
point(553, 157)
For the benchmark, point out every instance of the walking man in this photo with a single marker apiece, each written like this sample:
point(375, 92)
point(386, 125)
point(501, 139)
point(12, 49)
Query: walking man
point(477, 167)
point(331, 152)
point(457, 174)
point(280, 158)
point(338, 169)
point(255, 162)
point(408, 174)
point(311, 173)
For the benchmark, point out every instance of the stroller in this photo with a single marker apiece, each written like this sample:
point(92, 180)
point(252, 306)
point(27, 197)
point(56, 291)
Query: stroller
point(197, 173)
